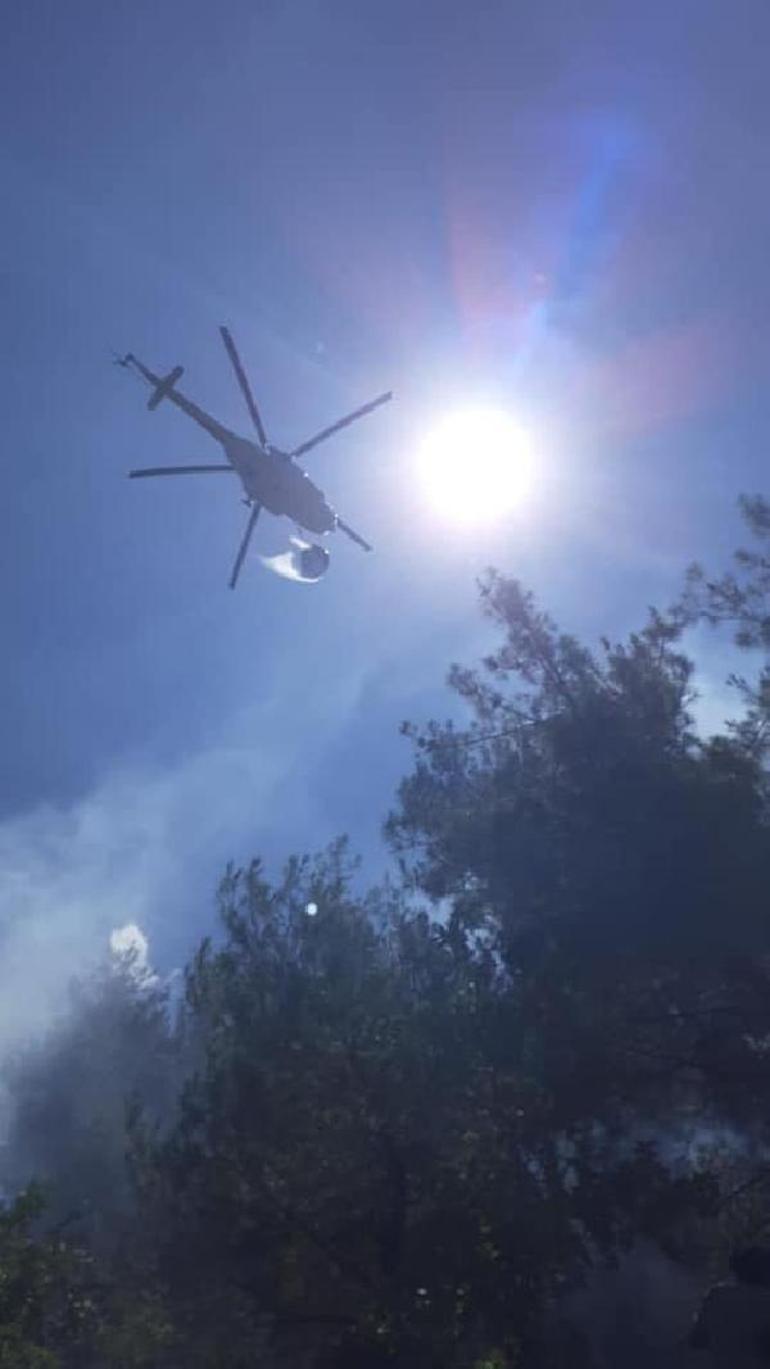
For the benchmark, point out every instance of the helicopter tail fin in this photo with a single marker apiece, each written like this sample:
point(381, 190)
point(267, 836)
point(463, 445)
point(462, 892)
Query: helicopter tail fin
point(164, 387)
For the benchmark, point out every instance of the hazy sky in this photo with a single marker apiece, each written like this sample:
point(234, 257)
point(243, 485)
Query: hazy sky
point(562, 208)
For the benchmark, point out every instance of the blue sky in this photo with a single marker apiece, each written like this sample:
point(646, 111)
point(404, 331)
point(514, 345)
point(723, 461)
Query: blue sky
point(559, 208)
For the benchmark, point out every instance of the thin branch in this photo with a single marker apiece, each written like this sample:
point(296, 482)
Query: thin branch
point(745, 1187)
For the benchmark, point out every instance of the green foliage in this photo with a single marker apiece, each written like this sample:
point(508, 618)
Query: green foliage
point(415, 1119)
point(47, 1308)
point(615, 864)
point(739, 598)
point(69, 1094)
point(382, 1155)
point(135, 1332)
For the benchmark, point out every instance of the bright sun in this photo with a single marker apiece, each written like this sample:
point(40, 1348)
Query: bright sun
point(474, 466)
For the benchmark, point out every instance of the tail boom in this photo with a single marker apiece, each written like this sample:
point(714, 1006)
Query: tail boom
point(164, 387)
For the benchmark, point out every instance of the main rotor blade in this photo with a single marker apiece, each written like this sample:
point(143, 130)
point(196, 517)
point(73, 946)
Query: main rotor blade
point(244, 384)
point(354, 536)
point(341, 423)
point(176, 470)
point(243, 548)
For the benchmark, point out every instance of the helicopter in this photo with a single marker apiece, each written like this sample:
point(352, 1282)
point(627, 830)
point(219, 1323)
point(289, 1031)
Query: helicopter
point(271, 478)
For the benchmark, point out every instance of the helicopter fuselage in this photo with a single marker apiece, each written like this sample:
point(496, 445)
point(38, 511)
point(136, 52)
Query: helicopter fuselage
point(270, 477)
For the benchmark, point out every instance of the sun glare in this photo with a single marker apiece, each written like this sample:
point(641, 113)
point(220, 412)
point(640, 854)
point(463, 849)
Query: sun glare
point(474, 466)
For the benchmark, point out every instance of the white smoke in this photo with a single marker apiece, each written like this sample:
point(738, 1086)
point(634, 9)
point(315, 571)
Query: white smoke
point(129, 944)
point(146, 847)
point(130, 940)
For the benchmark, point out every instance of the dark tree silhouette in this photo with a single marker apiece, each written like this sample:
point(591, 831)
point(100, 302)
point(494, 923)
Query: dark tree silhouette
point(415, 1118)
